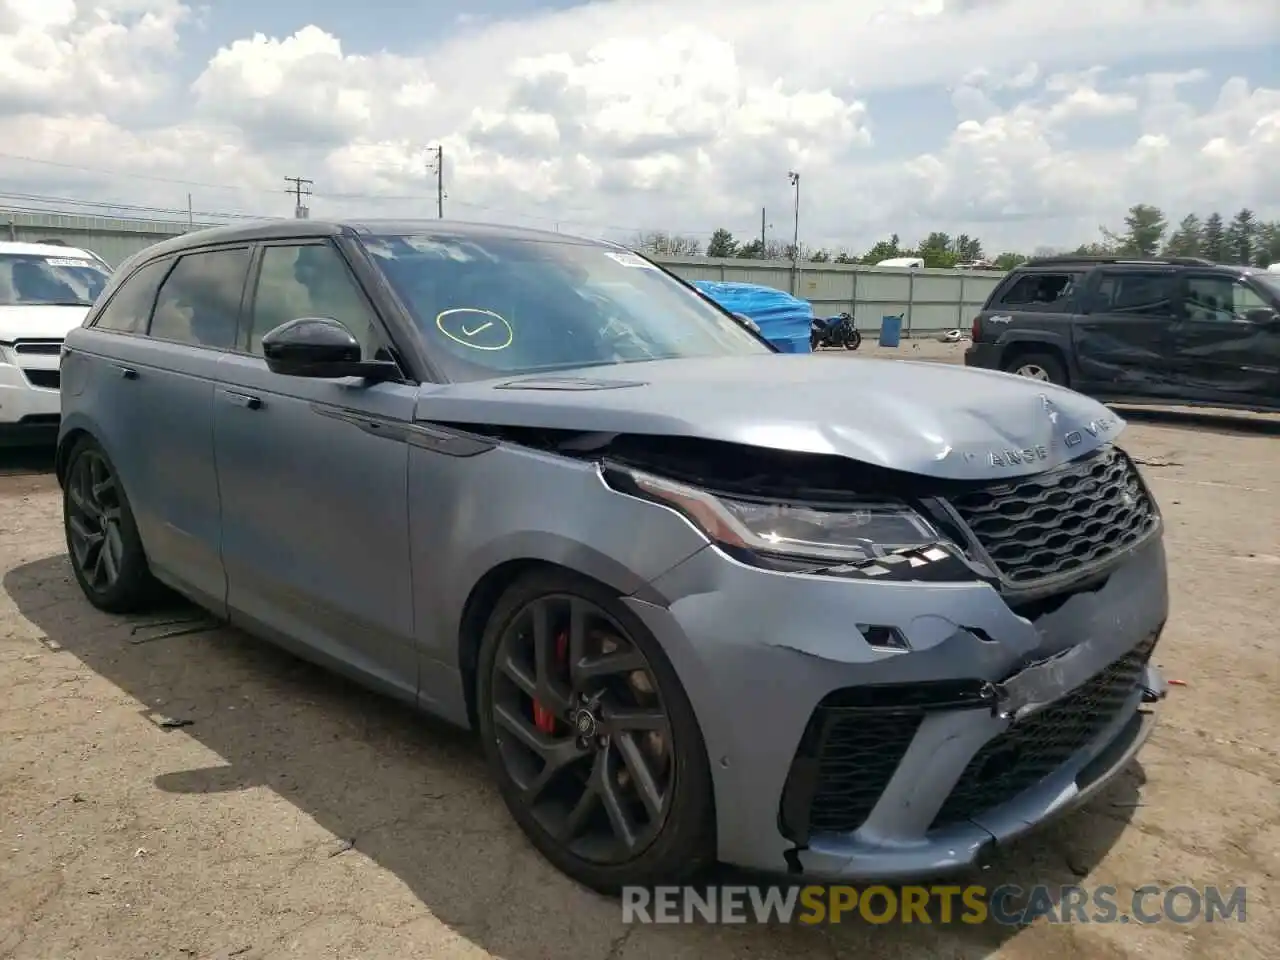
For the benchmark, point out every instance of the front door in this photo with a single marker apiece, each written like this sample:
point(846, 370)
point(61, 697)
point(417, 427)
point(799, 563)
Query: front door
point(313, 474)
point(1124, 335)
point(1222, 354)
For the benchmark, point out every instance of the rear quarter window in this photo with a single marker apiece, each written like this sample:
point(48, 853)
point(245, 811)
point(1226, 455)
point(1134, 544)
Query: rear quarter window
point(1047, 292)
point(129, 309)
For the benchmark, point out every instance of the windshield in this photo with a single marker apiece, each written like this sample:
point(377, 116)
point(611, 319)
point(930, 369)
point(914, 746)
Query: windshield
point(495, 306)
point(37, 280)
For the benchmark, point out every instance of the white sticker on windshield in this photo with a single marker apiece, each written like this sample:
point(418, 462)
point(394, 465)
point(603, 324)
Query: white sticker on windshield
point(68, 262)
point(630, 260)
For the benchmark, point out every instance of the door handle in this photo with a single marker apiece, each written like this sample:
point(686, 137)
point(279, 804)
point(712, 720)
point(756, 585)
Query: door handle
point(243, 399)
point(127, 372)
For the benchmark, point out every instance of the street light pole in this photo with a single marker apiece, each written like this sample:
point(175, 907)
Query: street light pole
point(795, 240)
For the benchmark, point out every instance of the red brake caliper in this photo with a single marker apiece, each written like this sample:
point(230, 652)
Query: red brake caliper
point(543, 718)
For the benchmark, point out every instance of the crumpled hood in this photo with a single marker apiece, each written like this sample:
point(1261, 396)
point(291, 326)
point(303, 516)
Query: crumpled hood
point(931, 419)
point(36, 322)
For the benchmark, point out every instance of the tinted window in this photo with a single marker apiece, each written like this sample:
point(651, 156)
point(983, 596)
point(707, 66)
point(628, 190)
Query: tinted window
point(309, 281)
point(27, 280)
point(1219, 299)
point(1040, 291)
point(1136, 294)
point(491, 306)
point(199, 302)
point(130, 307)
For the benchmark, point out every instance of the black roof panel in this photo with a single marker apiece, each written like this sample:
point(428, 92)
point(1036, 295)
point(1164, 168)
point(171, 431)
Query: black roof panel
point(281, 229)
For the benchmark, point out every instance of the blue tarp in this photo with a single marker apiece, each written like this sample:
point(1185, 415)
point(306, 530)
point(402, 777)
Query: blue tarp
point(783, 319)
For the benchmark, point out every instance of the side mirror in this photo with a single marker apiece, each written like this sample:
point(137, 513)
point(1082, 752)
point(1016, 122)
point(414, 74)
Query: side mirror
point(320, 347)
point(1264, 317)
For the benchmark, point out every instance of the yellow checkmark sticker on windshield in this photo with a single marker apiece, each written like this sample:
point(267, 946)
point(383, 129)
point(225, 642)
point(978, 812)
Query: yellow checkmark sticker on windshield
point(475, 328)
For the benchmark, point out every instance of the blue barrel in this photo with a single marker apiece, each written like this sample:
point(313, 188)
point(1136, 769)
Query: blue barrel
point(890, 331)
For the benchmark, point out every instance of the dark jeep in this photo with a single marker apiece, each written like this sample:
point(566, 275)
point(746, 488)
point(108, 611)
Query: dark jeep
point(1176, 330)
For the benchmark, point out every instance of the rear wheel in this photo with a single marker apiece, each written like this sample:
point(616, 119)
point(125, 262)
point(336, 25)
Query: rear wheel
point(593, 741)
point(102, 537)
point(1044, 367)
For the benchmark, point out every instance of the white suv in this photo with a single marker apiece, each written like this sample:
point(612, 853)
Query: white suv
point(45, 291)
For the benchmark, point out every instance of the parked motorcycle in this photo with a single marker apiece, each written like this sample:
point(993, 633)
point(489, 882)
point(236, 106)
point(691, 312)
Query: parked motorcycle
point(838, 331)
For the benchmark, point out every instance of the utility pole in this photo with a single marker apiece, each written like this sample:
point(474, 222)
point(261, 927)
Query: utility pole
point(762, 231)
point(438, 162)
point(795, 242)
point(301, 188)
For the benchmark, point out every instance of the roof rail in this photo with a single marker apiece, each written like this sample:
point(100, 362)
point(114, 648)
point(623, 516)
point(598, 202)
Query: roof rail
point(1115, 258)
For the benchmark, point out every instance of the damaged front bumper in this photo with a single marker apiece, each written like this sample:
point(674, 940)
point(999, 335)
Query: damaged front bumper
point(837, 759)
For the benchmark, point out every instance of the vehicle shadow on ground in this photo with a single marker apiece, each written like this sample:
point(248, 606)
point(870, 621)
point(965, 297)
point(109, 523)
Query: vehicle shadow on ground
point(1215, 421)
point(15, 461)
point(413, 795)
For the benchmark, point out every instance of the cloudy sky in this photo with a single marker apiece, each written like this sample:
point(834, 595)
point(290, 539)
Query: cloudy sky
point(1023, 123)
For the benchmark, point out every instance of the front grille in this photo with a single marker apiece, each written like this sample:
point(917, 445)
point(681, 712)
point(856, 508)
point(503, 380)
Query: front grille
point(852, 746)
point(1060, 521)
point(1029, 751)
point(38, 348)
point(43, 378)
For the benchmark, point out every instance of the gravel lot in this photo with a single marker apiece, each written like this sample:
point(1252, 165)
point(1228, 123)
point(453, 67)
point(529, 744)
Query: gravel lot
point(297, 816)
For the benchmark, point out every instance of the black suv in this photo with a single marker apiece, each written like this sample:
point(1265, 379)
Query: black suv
point(1178, 330)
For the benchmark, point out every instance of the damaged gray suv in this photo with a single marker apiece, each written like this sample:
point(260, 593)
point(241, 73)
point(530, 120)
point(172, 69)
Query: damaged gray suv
point(701, 600)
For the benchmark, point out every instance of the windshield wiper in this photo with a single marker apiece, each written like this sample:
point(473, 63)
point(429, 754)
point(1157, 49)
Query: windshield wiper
point(58, 303)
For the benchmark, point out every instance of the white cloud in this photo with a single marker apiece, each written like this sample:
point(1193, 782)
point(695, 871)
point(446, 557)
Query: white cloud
point(60, 55)
point(653, 114)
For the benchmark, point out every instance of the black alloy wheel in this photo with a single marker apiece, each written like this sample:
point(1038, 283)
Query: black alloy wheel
point(591, 737)
point(102, 538)
point(852, 338)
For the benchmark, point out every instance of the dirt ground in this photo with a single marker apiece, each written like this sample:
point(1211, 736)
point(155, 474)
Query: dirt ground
point(205, 795)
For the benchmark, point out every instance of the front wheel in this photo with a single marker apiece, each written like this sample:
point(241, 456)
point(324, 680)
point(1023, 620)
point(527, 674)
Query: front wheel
point(591, 737)
point(853, 340)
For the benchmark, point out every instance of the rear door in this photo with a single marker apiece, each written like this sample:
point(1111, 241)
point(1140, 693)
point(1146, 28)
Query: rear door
point(313, 475)
point(151, 363)
point(1124, 335)
point(1221, 354)
point(1030, 309)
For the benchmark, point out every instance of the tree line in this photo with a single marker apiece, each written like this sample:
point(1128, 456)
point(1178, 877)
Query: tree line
point(1244, 239)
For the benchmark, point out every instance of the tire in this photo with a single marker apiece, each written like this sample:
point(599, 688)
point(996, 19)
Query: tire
point(853, 340)
point(684, 843)
point(1048, 365)
point(815, 342)
point(133, 589)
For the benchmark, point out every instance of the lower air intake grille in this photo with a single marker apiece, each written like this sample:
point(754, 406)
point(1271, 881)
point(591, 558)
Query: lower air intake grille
point(851, 749)
point(1027, 752)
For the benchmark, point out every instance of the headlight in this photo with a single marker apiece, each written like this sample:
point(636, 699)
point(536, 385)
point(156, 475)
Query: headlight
point(857, 531)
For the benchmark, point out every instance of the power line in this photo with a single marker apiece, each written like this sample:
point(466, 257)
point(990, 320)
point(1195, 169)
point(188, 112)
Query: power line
point(104, 207)
point(440, 194)
point(301, 188)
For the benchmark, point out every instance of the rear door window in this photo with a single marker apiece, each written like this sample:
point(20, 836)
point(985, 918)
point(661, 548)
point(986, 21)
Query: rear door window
point(1047, 292)
point(199, 302)
point(1137, 293)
